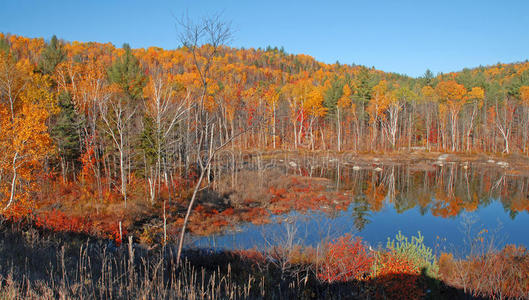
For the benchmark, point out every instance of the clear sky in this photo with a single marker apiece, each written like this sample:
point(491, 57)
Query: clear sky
point(397, 36)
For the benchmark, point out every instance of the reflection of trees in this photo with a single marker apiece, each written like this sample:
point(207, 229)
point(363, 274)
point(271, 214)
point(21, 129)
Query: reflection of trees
point(360, 213)
point(446, 191)
point(517, 201)
point(389, 179)
point(375, 192)
point(446, 203)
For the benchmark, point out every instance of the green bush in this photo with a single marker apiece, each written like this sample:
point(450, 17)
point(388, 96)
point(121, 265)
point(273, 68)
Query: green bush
point(416, 252)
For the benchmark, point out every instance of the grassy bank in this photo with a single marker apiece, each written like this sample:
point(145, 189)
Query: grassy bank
point(47, 265)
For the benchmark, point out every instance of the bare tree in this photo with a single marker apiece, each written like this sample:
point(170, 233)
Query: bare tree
point(116, 115)
point(504, 120)
point(166, 110)
point(203, 40)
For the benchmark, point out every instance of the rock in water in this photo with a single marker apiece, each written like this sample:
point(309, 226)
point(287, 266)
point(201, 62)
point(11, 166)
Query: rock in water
point(443, 157)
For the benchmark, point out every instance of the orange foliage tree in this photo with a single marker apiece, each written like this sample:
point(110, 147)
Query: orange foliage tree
point(24, 138)
point(451, 94)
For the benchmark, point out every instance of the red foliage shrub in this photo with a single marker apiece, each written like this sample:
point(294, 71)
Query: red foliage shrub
point(58, 221)
point(347, 258)
point(112, 232)
point(17, 212)
point(396, 277)
point(228, 212)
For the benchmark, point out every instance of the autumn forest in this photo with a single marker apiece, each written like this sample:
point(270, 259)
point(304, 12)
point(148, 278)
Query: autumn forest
point(141, 146)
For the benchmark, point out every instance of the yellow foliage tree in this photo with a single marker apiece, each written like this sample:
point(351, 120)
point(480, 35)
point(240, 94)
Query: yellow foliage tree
point(452, 96)
point(524, 94)
point(313, 105)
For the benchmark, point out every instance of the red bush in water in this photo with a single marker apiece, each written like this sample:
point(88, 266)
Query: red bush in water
point(347, 258)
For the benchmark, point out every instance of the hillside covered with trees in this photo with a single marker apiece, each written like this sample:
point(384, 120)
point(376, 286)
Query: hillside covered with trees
point(95, 112)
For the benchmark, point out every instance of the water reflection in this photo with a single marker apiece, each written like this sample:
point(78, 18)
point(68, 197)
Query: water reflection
point(444, 191)
point(376, 199)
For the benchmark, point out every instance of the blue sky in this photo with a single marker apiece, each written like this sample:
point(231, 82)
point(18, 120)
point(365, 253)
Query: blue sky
point(397, 36)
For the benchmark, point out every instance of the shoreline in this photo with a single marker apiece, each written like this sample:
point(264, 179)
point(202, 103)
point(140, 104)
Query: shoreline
point(513, 164)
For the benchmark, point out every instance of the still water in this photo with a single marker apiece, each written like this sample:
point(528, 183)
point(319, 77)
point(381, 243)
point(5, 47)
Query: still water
point(451, 204)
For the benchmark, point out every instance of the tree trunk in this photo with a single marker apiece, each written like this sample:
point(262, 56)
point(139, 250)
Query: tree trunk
point(339, 129)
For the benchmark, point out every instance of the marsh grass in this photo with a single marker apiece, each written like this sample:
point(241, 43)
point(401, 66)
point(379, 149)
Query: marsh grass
point(51, 266)
point(46, 265)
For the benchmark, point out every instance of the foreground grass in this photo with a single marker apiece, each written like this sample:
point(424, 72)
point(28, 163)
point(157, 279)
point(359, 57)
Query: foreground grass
point(46, 265)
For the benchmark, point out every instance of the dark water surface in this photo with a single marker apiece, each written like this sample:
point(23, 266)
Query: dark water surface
point(451, 203)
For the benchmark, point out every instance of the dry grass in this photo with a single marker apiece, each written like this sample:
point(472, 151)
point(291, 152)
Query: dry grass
point(37, 266)
point(45, 265)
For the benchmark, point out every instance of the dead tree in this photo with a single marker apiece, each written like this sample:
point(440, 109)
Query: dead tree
point(203, 40)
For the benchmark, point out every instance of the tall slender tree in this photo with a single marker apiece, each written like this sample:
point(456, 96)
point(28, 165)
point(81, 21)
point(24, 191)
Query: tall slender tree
point(118, 110)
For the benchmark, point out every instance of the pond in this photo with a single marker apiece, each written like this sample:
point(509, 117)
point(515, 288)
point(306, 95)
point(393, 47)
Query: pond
point(452, 203)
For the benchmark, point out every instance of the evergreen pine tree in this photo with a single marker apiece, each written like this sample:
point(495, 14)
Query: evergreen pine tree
point(51, 56)
point(126, 72)
point(330, 99)
point(4, 46)
point(65, 132)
